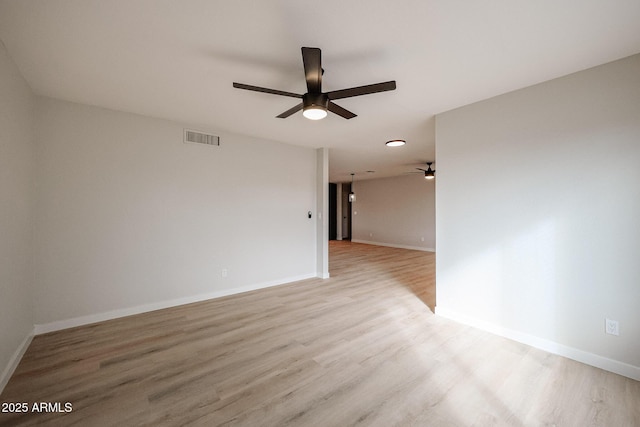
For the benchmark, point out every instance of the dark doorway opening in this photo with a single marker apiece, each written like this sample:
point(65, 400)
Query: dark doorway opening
point(346, 212)
point(333, 211)
point(339, 212)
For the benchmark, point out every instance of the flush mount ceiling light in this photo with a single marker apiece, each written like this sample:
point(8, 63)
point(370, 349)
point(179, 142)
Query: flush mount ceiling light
point(396, 143)
point(428, 173)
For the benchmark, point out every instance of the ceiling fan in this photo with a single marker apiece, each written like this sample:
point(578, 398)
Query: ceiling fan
point(428, 172)
point(315, 103)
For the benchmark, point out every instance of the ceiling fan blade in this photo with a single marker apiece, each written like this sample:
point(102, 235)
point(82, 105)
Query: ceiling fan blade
point(340, 111)
point(265, 90)
point(290, 111)
point(311, 58)
point(421, 169)
point(362, 90)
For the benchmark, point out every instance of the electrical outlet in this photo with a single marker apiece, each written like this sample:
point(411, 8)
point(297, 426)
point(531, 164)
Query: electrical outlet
point(612, 327)
point(224, 272)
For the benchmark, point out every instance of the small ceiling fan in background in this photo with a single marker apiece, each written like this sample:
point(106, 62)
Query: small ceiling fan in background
point(315, 103)
point(428, 172)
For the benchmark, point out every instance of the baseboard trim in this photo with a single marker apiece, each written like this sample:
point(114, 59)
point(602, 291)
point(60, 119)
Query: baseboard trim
point(115, 314)
point(615, 366)
point(15, 360)
point(393, 245)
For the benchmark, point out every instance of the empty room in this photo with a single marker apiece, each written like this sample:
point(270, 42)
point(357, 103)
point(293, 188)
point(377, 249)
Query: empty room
point(291, 213)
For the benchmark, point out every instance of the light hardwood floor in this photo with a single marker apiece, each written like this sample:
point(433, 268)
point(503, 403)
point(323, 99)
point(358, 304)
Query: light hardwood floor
point(361, 348)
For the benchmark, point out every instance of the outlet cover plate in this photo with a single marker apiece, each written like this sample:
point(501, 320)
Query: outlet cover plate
point(612, 327)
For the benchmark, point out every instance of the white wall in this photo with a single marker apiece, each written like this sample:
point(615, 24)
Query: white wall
point(538, 206)
point(16, 207)
point(397, 211)
point(130, 218)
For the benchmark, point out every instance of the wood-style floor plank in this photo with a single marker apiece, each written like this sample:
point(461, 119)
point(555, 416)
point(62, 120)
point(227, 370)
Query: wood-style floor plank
point(360, 348)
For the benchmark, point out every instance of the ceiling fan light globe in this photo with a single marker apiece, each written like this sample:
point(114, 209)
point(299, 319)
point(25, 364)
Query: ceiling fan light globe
point(314, 113)
point(428, 176)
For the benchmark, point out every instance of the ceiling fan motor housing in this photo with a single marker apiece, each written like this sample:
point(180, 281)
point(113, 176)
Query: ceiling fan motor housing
point(315, 100)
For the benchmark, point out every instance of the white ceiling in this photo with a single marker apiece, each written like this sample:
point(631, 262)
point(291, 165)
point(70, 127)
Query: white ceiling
point(177, 60)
